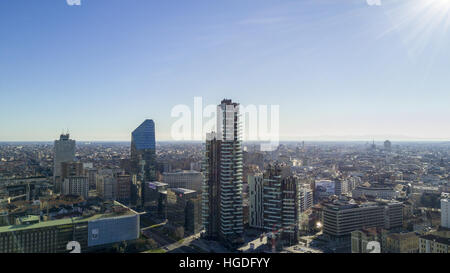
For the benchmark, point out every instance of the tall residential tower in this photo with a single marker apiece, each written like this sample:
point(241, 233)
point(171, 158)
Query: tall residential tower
point(222, 189)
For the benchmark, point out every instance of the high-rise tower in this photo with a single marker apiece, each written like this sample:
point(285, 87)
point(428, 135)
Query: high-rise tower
point(222, 189)
point(387, 145)
point(445, 210)
point(143, 156)
point(281, 205)
point(63, 151)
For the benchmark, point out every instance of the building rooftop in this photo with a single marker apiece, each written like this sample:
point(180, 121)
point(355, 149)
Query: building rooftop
point(436, 238)
point(370, 231)
point(229, 102)
point(375, 187)
point(181, 172)
point(29, 219)
point(14, 228)
point(157, 183)
point(182, 190)
point(42, 224)
point(342, 205)
point(143, 137)
point(402, 235)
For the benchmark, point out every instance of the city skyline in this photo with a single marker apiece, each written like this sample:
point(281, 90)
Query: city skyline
point(100, 68)
point(225, 135)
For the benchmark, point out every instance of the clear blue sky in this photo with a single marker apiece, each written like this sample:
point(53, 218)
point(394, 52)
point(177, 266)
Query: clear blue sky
point(338, 69)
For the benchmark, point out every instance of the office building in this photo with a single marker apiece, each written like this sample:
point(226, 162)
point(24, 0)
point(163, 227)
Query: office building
point(123, 188)
point(155, 198)
point(193, 222)
point(192, 180)
point(341, 218)
point(143, 156)
point(31, 235)
point(63, 151)
point(222, 189)
point(382, 192)
point(184, 209)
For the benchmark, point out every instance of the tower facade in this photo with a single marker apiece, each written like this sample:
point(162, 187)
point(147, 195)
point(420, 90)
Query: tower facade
point(63, 151)
point(281, 205)
point(255, 189)
point(387, 145)
point(222, 189)
point(143, 156)
point(445, 210)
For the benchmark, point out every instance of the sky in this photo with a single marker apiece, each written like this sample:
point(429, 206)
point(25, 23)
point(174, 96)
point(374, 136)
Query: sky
point(339, 70)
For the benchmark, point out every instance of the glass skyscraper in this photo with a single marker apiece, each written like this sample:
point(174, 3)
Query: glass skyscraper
point(143, 137)
point(143, 155)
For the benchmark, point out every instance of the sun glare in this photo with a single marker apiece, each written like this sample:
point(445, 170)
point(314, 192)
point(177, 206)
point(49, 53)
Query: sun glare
point(420, 23)
point(441, 6)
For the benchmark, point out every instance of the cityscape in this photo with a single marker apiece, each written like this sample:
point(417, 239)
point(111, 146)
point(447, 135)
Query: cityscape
point(221, 135)
point(224, 195)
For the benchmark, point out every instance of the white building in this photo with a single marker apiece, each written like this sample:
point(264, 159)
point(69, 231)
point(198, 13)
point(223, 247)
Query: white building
point(255, 190)
point(445, 210)
point(106, 184)
point(305, 197)
point(386, 193)
point(341, 187)
point(425, 189)
point(76, 185)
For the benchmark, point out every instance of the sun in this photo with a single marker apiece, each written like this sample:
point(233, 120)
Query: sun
point(420, 23)
point(439, 7)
